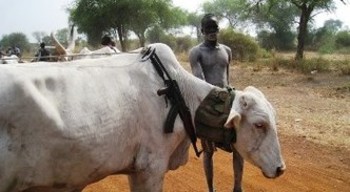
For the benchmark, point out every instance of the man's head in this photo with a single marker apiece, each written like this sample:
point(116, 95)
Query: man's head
point(209, 27)
point(106, 40)
point(42, 45)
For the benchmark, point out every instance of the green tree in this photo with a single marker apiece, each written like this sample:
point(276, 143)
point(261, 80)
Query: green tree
point(342, 39)
point(15, 39)
point(243, 46)
point(235, 11)
point(194, 20)
point(324, 38)
point(155, 34)
point(306, 9)
point(91, 18)
point(151, 13)
point(240, 13)
point(62, 36)
point(96, 17)
point(47, 40)
point(158, 35)
point(280, 19)
point(265, 40)
point(39, 35)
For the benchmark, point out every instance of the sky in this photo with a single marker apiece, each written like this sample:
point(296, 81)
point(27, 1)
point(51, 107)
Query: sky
point(28, 16)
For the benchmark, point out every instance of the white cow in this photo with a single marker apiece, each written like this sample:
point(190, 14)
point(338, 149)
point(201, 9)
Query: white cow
point(85, 53)
point(12, 59)
point(64, 126)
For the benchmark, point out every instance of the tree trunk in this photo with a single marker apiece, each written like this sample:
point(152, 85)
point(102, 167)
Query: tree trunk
point(304, 19)
point(142, 38)
point(121, 39)
point(198, 33)
point(142, 41)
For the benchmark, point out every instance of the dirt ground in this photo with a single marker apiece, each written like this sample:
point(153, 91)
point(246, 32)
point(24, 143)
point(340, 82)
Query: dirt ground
point(314, 130)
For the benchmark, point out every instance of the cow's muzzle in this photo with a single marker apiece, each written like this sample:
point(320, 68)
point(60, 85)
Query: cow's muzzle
point(279, 171)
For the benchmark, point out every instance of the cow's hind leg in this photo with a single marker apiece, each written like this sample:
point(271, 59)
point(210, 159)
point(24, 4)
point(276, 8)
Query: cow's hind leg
point(238, 164)
point(146, 181)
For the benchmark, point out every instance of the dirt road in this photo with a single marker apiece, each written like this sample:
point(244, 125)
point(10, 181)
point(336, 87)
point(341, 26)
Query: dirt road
point(310, 167)
point(314, 122)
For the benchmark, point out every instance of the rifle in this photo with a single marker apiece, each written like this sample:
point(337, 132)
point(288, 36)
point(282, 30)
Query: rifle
point(178, 105)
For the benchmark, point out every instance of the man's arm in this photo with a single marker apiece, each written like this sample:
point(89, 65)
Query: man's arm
point(194, 58)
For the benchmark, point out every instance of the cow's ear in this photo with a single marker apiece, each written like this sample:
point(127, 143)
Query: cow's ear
point(233, 120)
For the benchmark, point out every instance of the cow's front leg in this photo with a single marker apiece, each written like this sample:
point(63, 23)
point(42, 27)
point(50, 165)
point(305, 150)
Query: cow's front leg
point(146, 181)
point(208, 151)
point(238, 164)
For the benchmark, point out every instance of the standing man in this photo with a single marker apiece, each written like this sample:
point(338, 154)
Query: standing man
point(210, 61)
point(43, 54)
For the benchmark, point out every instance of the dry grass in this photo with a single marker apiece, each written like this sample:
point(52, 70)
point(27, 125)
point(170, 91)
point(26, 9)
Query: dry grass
point(310, 55)
point(316, 107)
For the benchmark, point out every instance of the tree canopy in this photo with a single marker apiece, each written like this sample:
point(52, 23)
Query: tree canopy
point(235, 11)
point(306, 8)
point(98, 17)
point(15, 39)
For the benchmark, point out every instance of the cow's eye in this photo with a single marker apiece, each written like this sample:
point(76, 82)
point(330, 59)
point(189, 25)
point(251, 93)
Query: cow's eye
point(260, 125)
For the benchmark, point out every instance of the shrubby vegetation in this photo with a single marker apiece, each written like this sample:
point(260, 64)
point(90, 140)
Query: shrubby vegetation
point(345, 67)
point(308, 66)
point(244, 47)
point(178, 44)
point(342, 39)
point(15, 39)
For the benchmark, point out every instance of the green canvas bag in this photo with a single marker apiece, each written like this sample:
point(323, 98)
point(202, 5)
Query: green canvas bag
point(212, 114)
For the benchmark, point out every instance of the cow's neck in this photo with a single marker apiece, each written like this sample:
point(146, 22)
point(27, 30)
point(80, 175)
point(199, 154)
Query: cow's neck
point(194, 91)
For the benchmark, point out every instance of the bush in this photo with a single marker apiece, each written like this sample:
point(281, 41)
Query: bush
point(280, 62)
point(327, 48)
point(342, 39)
point(283, 40)
point(170, 40)
point(183, 44)
point(178, 44)
point(345, 67)
point(15, 39)
point(243, 46)
point(345, 70)
point(344, 50)
point(263, 53)
point(308, 65)
point(305, 65)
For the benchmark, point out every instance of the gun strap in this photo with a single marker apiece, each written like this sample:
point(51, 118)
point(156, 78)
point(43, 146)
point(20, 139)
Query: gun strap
point(189, 127)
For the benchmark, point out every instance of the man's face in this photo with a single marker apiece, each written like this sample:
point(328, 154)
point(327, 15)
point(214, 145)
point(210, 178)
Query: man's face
point(210, 30)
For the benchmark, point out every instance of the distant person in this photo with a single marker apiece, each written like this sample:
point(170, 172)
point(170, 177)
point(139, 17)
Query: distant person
point(43, 54)
point(17, 51)
point(108, 41)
